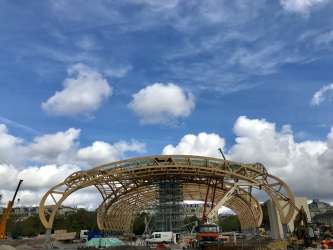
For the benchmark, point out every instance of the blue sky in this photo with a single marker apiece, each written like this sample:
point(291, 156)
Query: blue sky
point(263, 60)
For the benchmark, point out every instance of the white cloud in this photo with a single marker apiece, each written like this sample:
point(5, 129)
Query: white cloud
point(300, 164)
point(55, 147)
point(301, 6)
point(307, 166)
point(258, 141)
point(37, 180)
point(162, 103)
point(324, 93)
point(265, 60)
point(20, 159)
point(34, 177)
point(326, 159)
point(62, 148)
point(8, 176)
point(202, 144)
point(45, 176)
point(102, 152)
point(84, 91)
point(10, 146)
point(217, 11)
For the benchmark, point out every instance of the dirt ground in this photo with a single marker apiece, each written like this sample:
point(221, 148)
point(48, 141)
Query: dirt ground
point(33, 244)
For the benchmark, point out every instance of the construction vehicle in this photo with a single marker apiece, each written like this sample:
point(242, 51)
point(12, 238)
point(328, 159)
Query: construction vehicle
point(326, 237)
point(6, 214)
point(303, 235)
point(207, 233)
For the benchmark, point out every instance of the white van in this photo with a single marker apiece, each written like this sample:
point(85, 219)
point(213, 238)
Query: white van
point(84, 235)
point(161, 237)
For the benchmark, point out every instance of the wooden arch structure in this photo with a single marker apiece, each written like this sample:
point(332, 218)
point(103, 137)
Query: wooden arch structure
point(130, 186)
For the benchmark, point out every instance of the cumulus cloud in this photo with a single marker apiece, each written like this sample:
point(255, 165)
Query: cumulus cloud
point(301, 6)
point(307, 166)
point(9, 146)
point(55, 147)
point(48, 159)
point(8, 176)
point(37, 180)
point(162, 103)
point(202, 144)
point(324, 93)
point(326, 159)
point(84, 91)
point(62, 148)
point(35, 177)
point(258, 141)
point(102, 152)
point(301, 164)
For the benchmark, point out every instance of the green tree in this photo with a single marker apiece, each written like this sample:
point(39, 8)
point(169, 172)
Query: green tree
point(139, 224)
point(72, 222)
point(230, 223)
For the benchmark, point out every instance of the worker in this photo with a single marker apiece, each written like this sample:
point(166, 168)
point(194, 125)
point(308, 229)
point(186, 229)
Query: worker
point(327, 235)
point(311, 234)
point(317, 234)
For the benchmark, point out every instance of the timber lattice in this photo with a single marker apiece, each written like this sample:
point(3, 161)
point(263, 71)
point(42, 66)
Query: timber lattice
point(130, 186)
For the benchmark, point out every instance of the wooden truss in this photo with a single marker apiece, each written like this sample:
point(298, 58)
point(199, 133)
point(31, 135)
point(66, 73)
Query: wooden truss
point(130, 186)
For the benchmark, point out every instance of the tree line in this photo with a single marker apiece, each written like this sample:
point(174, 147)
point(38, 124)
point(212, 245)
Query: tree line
point(72, 222)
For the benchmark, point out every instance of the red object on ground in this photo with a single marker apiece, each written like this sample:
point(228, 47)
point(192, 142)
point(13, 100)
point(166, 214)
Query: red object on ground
point(327, 244)
point(161, 246)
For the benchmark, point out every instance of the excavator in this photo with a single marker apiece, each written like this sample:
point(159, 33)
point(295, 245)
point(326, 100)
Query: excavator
point(6, 214)
point(303, 235)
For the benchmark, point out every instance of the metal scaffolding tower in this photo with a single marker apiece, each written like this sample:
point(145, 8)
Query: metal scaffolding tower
point(170, 210)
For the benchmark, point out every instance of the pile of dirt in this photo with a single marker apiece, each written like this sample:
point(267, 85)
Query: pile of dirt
point(7, 247)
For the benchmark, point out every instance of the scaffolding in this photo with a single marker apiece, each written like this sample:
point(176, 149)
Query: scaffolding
point(170, 211)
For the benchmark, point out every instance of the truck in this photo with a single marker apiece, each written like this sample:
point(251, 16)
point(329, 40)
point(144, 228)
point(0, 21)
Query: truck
point(161, 237)
point(207, 234)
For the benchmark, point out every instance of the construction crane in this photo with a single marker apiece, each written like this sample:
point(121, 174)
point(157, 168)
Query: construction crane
point(208, 233)
point(6, 214)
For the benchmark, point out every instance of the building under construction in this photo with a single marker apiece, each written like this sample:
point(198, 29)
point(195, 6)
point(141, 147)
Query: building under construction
point(130, 186)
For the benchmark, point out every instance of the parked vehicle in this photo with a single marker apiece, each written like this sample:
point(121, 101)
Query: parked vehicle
point(84, 235)
point(161, 237)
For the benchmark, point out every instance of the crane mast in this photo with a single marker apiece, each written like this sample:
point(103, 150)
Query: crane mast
point(6, 214)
